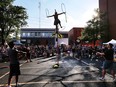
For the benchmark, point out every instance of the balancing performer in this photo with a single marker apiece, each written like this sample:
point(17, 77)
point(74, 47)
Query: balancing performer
point(56, 20)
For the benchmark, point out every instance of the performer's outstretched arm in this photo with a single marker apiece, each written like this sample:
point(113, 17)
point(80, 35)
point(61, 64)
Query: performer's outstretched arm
point(61, 13)
point(50, 16)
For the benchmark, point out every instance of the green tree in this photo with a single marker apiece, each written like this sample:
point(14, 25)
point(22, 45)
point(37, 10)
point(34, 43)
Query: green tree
point(11, 18)
point(97, 28)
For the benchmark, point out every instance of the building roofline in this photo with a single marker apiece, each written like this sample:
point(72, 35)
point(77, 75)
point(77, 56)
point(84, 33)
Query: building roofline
point(76, 28)
point(64, 32)
point(42, 29)
point(38, 28)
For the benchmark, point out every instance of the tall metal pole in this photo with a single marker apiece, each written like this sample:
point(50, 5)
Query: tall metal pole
point(58, 55)
point(56, 23)
point(39, 14)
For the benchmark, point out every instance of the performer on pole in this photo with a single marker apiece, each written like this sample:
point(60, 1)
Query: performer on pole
point(56, 20)
point(56, 23)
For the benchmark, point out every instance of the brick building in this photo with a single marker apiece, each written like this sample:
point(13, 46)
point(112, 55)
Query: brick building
point(109, 7)
point(74, 33)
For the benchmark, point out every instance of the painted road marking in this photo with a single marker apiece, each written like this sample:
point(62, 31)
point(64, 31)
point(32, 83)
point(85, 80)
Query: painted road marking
point(4, 75)
point(44, 82)
point(8, 72)
point(94, 81)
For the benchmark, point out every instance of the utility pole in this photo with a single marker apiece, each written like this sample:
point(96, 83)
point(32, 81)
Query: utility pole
point(39, 14)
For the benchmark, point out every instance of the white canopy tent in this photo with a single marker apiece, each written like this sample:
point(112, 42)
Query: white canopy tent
point(111, 41)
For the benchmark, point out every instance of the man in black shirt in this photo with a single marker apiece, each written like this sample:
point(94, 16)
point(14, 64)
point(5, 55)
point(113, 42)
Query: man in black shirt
point(108, 63)
point(14, 63)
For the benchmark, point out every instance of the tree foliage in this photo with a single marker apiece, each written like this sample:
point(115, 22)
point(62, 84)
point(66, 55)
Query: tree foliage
point(11, 18)
point(96, 28)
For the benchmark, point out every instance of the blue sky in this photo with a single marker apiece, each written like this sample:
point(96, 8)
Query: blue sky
point(78, 12)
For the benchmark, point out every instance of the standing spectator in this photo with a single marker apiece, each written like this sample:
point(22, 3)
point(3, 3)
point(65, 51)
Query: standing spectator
point(73, 51)
point(115, 49)
point(28, 54)
point(108, 63)
point(90, 52)
point(14, 64)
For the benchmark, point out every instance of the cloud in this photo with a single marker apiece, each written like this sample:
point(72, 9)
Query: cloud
point(88, 15)
point(71, 22)
point(80, 21)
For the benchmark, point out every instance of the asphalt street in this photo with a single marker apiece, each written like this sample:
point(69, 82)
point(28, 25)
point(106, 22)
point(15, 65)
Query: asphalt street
point(72, 72)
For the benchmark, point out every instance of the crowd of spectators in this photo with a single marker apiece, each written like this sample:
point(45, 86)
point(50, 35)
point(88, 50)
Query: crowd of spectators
point(76, 51)
point(29, 52)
